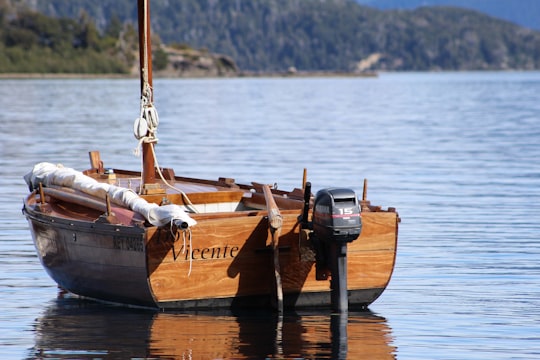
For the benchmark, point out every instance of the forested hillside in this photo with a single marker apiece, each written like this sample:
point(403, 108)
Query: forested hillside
point(328, 35)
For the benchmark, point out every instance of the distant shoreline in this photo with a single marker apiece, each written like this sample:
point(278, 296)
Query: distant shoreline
point(157, 75)
point(245, 74)
point(65, 76)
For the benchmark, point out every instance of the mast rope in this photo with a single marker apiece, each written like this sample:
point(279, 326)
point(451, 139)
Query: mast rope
point(145, 48)
point(184, 195)
point(146, 124)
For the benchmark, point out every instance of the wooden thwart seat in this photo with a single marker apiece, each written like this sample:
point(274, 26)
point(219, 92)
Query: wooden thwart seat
point(198, 197)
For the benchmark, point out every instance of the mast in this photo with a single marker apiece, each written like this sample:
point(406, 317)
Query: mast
point(145, 62)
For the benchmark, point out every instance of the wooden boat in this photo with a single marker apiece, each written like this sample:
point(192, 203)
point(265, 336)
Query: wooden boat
point(152, 238)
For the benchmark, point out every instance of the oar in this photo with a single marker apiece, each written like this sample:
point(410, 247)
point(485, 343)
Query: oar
point(275, 221)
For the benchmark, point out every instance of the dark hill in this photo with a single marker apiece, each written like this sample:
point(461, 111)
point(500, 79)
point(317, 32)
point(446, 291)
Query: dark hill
point(522, 12)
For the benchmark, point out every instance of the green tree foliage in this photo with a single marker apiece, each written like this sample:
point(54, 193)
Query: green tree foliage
point(114, 27)
point(33, 42)
point(160, 59)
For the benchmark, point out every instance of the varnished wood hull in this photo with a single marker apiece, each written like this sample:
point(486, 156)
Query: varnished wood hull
point(231, 263)
point(227, 263)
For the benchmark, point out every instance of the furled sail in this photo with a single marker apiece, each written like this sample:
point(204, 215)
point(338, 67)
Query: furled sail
point(49, 174)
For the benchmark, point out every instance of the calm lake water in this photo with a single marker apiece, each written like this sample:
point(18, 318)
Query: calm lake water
point(458, 155)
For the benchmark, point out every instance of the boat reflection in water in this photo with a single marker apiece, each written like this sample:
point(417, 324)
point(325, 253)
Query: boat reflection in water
point(74, 328)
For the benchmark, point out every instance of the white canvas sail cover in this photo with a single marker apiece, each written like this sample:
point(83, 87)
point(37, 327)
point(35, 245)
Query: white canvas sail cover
point(50, 174)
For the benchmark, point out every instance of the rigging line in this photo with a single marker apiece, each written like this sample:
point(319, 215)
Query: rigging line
point(145, 47)
point(147, 97)
point(184, 195)
point(190, 249)
point(137, 151)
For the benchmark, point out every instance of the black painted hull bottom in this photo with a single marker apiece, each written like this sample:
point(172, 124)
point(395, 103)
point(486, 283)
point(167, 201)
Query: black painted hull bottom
point(358, 300)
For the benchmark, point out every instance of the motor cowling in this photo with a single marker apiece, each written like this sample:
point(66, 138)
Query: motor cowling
point(336, 215)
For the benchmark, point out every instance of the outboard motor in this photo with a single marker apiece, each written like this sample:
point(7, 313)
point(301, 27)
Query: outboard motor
point(336, 222)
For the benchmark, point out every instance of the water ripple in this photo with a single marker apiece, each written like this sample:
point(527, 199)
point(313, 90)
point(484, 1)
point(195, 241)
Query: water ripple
point(455, 153)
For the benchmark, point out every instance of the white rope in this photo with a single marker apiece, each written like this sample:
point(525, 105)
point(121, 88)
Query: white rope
point(145, 127)
point(184, 195)
point(146, 124)
point(183, 234)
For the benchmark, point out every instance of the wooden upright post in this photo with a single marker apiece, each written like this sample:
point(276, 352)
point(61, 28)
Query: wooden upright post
point(275, 221)
point(145, 62)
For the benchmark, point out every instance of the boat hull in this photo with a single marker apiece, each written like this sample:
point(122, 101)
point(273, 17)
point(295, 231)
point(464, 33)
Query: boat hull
point(100, 261)
point(226, 261)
